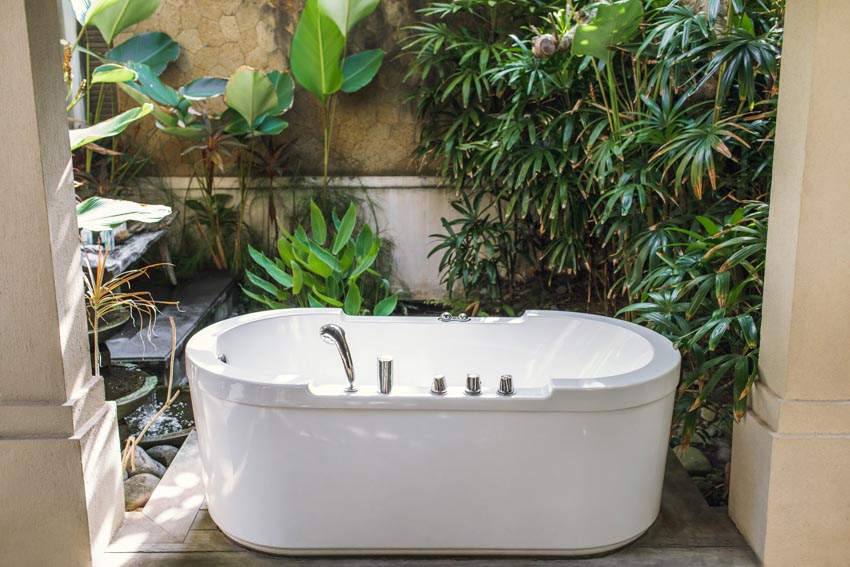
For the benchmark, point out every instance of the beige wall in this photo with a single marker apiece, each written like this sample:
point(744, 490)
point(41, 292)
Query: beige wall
point(60, 480)
point(375, 131)
point(791, 455)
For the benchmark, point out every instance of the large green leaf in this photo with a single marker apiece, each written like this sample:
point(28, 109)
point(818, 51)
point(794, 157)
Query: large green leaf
point(108, 128)
point(614, 23)
point(250, 93)
point(112, 73)
point(122, 14)
point(85, 10)
point(270, 126)
point(284, 86)
point(98, 213)
point(386, 306)
point(271, 269)
point(352, 300)
point(149, 84)
point(194, 132)
point(346, 227)
point(317, 224)
point(297, 277)
point(154, 49)
point(132, 90)
point(346, 13)
point(317, 47)
point(359, 69)
point(204, 88)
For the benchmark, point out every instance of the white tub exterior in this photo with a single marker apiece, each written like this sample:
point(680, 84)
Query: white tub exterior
point(572, 464)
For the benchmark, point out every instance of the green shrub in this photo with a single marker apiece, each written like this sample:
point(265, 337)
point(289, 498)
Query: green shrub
point(706, 296)
point(584, 152)
point(323, 269)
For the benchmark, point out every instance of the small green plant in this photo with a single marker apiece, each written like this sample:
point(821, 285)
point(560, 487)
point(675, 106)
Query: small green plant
point(706, 296)
point(477, 246)
point(324, 270)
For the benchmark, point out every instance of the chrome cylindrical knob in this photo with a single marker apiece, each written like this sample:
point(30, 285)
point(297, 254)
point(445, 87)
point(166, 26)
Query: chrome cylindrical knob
point(506, 385)
point(463, 317)
point(446, 317)
point(385, 374)
point(439, 386)
point(473, 385)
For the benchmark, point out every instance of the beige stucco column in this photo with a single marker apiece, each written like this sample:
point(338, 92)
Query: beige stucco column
point(60, 479)
point(790, 492)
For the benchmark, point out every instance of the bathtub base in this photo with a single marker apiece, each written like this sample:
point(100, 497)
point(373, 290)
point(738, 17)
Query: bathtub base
point(297, 552)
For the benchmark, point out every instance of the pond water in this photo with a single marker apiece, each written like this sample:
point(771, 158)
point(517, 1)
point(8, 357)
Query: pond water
point(178, 417)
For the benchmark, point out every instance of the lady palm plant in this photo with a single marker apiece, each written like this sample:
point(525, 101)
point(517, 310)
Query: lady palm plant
point(639, 112)
point(706, 296)
point(619, 134)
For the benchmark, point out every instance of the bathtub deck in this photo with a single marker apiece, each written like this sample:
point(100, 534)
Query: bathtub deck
point(175, 529)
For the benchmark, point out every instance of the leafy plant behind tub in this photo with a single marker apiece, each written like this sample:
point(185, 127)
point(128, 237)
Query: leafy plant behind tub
point(323, 269)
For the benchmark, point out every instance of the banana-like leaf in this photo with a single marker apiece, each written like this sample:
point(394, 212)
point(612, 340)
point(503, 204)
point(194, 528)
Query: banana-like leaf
point(317, 47)
point(85, 10)
point(120, 15)
point(352, 300)
point(284, 86)
point(346, 227)
point(98, 213)
point(154, 49)
point(614, 23)
point(266, 125)
point(132, 90)
point(359, 69)
point(386, 306)
point(148, 83)
point(194, 132)
point(113, 73)
point(270, 126)
point(346, 13)
point(250, 93)
point(204, 88)
point(108, 128)
point(318, 224)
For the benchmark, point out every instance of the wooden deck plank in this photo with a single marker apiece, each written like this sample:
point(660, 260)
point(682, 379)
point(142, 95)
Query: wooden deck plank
point(629, 557)
point(203, 521)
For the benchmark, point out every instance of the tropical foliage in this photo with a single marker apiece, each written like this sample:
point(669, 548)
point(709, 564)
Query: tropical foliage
point(255, 101)
point(706, 296)
point(330, 267)
point(590, 147)
point(588, 141)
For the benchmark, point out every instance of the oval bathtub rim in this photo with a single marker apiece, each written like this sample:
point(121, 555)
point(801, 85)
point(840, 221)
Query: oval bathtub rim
point(653, 381)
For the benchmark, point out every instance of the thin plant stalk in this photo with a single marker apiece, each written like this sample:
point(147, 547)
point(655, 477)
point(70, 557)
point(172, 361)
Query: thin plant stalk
point(129, 453)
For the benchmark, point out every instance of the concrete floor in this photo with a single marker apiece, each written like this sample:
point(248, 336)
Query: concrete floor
point(175, 529)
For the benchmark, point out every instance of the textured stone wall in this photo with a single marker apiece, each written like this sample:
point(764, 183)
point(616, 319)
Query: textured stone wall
point(375, 132)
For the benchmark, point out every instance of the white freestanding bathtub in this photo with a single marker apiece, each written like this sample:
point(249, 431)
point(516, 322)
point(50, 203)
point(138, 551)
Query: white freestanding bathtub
point(571, 464)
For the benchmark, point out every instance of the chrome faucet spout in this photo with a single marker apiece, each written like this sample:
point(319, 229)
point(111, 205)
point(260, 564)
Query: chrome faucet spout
point(334, 335)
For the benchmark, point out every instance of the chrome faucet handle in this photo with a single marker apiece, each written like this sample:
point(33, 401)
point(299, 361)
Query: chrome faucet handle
point(439, 387)
point(445, 317)
point(506, 385)
point(473, 385)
